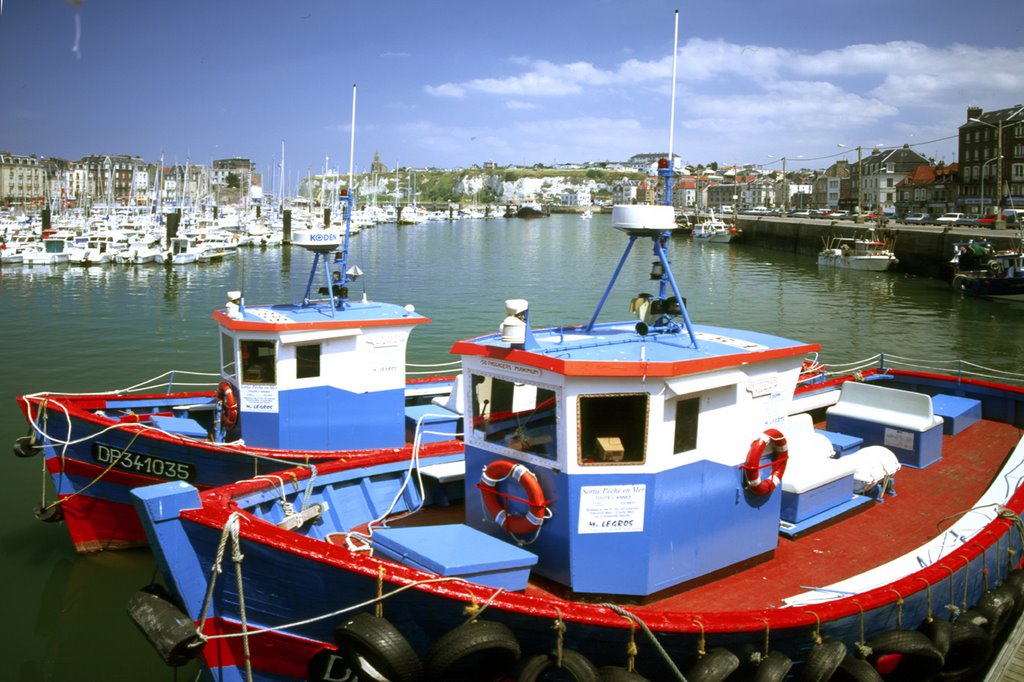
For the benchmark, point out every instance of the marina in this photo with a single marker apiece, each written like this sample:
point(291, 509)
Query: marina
point(792, 298)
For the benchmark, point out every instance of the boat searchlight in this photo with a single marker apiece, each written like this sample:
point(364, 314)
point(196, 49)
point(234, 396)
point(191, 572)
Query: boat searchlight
point(514, 326)
point(234, 304)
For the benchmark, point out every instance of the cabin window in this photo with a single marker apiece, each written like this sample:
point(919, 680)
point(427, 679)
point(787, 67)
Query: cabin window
point(227, 355)
point(687, 412)
point(515, 415)
point(612, 428)
point(307, 361)
point(259, 362)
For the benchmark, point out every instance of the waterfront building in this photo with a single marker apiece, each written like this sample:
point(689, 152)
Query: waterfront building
point(991, 154)
point(576, 197)
point(928, 189)
point(881, 171)
point(112, 179)
point(624, 191)
point(22, 180)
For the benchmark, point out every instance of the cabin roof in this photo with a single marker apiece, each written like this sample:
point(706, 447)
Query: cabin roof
point(617, 349)
point(319, 316)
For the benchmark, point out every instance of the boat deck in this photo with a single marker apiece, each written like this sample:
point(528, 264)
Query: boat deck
point(926, 501)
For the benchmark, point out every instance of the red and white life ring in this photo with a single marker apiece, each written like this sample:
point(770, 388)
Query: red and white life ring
point(519, 524)
point(752, 469)
point(228, 405)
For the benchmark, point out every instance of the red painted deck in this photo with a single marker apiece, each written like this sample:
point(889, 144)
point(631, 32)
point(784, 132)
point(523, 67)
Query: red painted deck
point(927, 501)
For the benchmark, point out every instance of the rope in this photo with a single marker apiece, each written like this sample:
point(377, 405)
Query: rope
point(862, 648)
point(928, 586)
point(559, 627)
point(379, 610)
point(816, 634)
point(650, 635)
point(899, 608)
point(236, 557)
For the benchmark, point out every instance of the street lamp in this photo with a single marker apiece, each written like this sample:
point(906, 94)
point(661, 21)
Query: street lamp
point(999, 167)
point(981, 192)
point(857, 184)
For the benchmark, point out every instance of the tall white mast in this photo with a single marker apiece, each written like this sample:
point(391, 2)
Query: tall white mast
point(672, 114)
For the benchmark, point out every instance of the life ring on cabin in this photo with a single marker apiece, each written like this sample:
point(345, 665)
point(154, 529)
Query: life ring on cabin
point(498, 471)
point(228, 405)
point(752, 468)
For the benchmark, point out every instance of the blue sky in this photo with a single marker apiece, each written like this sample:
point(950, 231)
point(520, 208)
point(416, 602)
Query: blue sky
point(456, 82)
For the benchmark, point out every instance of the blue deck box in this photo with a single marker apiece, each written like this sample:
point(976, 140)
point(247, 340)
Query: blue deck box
point(458, 550)
point(957, 413)
point(902, 421)
point(439, 423)
point(842, 443)
point(812, 486)
point(182, 426)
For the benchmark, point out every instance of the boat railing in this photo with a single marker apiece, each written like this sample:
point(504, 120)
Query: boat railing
point(440, 368)
point(959, 368)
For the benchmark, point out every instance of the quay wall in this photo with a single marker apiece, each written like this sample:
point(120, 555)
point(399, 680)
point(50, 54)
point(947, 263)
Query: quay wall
point(922, 250)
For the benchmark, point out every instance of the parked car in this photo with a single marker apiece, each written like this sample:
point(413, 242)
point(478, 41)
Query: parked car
point(987, 219)
point(917, 218)
point(802, 213)
point(949, 218)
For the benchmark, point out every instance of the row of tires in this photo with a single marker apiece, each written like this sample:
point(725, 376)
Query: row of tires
point(945, 650)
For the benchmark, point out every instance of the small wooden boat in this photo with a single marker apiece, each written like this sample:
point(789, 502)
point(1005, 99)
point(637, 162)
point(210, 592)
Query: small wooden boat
point(858, 254)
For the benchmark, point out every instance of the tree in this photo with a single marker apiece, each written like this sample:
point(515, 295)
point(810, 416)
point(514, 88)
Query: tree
point(233, 181)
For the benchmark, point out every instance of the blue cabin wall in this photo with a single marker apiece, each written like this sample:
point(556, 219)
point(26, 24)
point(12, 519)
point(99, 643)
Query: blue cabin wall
point(696, 519)
point(327, 418)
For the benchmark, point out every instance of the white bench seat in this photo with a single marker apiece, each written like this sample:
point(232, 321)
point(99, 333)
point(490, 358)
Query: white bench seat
point(902, 421)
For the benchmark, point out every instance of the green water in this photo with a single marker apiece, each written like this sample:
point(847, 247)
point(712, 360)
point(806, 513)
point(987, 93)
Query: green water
point(87, 329)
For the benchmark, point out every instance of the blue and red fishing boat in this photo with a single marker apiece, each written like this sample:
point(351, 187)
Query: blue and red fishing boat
point(299, 383)
point(653, 498)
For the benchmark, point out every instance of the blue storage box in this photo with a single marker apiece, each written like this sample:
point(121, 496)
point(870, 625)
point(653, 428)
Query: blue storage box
point(458, 550)
point(842, 443)
point(180, 425)
point(439, 423)
point(811, 486)
point(957, 413)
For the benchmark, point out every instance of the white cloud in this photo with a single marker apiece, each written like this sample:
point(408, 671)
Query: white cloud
point(520, 104)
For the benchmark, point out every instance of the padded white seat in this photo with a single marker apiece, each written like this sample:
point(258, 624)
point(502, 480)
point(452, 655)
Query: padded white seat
point(871, 466)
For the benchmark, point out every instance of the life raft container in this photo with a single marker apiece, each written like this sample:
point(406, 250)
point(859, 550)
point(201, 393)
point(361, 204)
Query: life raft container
point(518, 524)
point(752, 469)
point(228, 405)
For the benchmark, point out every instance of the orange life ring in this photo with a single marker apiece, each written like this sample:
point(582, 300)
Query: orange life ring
point(228, 405)
point(752, 469)
point(519, 524)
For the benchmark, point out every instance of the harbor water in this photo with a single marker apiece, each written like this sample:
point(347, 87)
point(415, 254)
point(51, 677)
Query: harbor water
point(86, 329)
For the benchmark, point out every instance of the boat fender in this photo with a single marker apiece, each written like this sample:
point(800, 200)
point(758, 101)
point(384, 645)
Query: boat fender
point(998, 607)
point(498, 471)
point(366, 640)
point(573, 666)
point(25, 446)
point(228, 405)
point(856, 669)
point(479, 649)
point(168, 629)
point(49, 514)
point(938, 632)
point(715, 666)
point(1015, 583)
point(779, 456)
point(969, 649)
point(774, 667)
point(822, 661)
point(904, 655)
point(613, 673)
point(995, 267)
point(327, 665)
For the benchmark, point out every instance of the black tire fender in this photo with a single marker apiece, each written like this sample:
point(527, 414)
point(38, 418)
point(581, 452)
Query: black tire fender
point(822, 660)
point(365, 639)
point(25, 446)
point(852, 669)
point(938, 631)
point(577, 666)
point(773, 668)
point(613, 673)
point(905, 656)
point(715, 666)
point(479, 649)
point(969, 650)
point(998, 607)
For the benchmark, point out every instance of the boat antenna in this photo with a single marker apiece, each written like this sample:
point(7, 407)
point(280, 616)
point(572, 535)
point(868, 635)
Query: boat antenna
point(672, 113)
point(349, 198)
